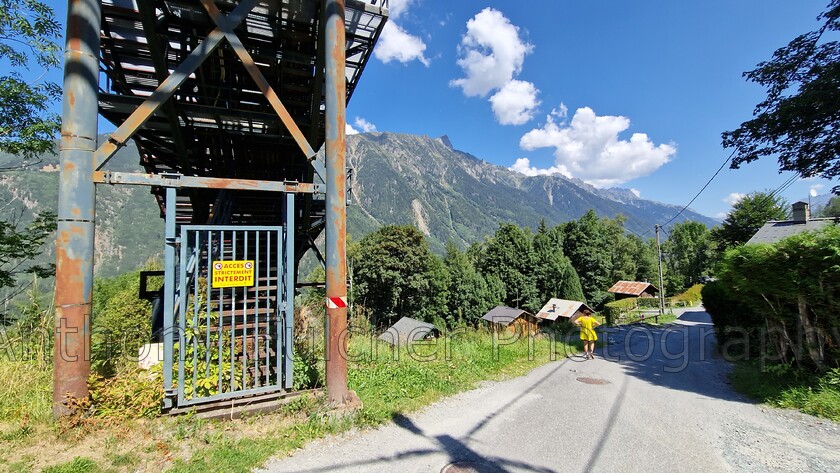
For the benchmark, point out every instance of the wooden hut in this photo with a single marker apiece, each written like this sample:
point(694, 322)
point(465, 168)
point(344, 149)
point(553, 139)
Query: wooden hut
point(625, 289)
point(408, 330)
point(521, 321)
point(561, 310)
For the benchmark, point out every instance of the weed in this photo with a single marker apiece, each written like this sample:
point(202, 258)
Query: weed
point(77, 465)
point(788, 387)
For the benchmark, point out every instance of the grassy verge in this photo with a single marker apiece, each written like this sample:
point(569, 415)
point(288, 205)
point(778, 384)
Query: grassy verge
point(388, 382)
point(786, 387)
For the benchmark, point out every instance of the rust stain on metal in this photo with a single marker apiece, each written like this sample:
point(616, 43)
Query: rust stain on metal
point(597, 381)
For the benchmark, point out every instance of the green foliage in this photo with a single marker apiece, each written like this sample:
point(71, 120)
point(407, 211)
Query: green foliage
point(832, 209)
point(798, 120)
point(77, 465)
point(121, 322)
point(28, 34)
point(133, 393)
point(470, 296)
point(613, 311)
point(692, 295)
point(791, 388)
point(19, 247)
point(795, 285)
point(746, 217)
point(509, 254)
point(586, 244)
point(26, 392)
point(396, 275)
point(555, 276)
point(305, 373)
point(688, 253)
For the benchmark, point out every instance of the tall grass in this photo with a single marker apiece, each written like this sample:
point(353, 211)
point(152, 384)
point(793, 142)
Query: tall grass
point(25, 391)
point(787, 387)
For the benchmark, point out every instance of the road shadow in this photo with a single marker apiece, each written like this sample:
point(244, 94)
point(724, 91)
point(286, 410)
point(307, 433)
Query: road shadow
point(682, 356)
point(457, 450)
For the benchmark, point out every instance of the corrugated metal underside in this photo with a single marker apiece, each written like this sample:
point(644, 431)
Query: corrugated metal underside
point(218, 123)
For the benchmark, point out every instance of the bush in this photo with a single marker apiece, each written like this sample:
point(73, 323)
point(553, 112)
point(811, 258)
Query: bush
point(131, 394)
point(121, 322)
point(731, 316)
point(613, 310)
point(691, 295)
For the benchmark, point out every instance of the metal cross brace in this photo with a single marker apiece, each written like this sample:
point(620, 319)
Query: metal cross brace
point(224, 30)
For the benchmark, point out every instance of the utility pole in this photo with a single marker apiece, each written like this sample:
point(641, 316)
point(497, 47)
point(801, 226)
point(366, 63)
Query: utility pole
point(661, 282)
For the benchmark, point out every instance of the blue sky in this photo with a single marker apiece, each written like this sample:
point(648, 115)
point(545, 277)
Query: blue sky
point(632, 94)
point(574, 81)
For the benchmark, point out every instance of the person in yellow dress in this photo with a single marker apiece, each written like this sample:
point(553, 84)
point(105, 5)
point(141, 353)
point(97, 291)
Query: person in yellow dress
point(587, 325)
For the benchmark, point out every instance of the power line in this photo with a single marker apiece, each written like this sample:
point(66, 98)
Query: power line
point(702, 189)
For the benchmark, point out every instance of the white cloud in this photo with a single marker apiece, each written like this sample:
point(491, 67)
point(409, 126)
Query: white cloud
point(395, 44)
point(515, 103)
point(364, 125)
point(636, 192)
point(523, 166)
point(396, 8)
point(721, 215)
point(734, 198)
point(491, 53)
point(589, 147)
point(349, 130)
point(816, 187)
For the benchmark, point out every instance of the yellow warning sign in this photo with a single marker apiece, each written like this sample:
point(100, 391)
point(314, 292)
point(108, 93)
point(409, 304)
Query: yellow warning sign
point(239, 273)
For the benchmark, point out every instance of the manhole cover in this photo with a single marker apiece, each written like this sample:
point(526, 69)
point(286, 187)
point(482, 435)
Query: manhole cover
point(592, 380)
point(470, 467)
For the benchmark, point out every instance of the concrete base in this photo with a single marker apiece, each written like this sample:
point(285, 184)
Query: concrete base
point(351, 405)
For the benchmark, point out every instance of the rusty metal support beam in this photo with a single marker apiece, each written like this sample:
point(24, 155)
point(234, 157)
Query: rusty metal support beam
point(170, 85)
point(258, 77)
point(76, 206)
point(336, 225)
point(197, 182)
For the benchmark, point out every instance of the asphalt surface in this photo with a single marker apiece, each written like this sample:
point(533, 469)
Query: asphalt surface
point(652, 400)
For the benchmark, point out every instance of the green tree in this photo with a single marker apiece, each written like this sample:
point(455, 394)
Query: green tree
point(510, 256)
point(645, 256)
point(746, 217)
point(469, 295)
point(28, 31)
point(555, 276)
point(19, 247)
point(798, 121)
point(832, 209)
point(622, 256)
point(688, 253)
point(585, 244)
point(28, 34)
point(396, 275)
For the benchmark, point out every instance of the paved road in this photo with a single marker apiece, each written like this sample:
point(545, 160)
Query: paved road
point(664, 405)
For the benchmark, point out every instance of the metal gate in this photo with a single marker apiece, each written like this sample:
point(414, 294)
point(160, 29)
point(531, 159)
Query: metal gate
point(228, 317)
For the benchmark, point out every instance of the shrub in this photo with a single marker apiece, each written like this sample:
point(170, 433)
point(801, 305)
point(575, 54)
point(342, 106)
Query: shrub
point(613, 310)
point(133, 393)
point(691, 295)
point(731, 316)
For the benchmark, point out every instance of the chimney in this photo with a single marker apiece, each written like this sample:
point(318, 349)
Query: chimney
point(801, 213)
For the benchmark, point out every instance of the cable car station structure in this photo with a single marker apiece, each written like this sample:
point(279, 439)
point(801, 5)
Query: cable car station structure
point(228, 102)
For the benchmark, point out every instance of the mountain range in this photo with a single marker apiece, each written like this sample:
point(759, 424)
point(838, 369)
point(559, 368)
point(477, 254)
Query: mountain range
point(448, 194)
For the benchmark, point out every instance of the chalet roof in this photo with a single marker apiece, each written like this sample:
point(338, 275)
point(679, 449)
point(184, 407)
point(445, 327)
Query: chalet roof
point(504, 315)
point(774, 231)
point(407, 330)
point(634, 288)
point(555, 308)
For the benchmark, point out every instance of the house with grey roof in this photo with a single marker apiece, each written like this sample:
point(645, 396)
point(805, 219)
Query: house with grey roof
point(777, 230)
